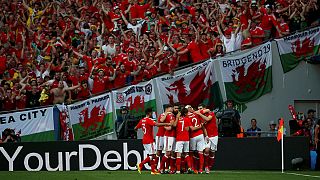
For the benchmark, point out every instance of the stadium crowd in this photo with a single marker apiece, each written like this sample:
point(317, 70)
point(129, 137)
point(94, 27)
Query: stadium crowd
point(60, 51)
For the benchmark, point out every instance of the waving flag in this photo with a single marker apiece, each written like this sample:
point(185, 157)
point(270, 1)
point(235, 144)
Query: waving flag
point(280, 130)
point(296, 47)
point(248, 76)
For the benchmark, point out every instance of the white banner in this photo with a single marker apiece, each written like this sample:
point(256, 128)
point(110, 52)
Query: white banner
point(134, 97)
point(299, 43)
point(245, 64)
point(29, 122)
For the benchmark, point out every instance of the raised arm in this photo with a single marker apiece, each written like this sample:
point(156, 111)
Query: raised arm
point(25, 5)
point(72, 88)
point(78, 54)
point(219, 29)
point(113, 77)
point(124, 19)
point(183, 52)
point(134, 73)
point(209, 118)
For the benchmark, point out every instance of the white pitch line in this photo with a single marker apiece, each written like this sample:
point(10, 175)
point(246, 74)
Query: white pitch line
point(306, 175)
point(248, 172)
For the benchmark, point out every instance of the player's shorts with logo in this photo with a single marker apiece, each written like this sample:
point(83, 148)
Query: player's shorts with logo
point(212, 144)
point(169, 143)
point(182, 146)
point(159, 143)
point(197, 143)
point(149, 148)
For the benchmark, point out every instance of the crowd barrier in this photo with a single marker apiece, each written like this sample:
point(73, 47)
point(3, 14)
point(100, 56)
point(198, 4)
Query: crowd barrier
point(233, 153)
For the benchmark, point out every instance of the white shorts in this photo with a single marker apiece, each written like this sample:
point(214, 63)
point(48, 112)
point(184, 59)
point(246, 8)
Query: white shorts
point(159, 143)
point(149, 148)
point(169, 144)
point(197, 143)
point(182, 146)
point(212, 144)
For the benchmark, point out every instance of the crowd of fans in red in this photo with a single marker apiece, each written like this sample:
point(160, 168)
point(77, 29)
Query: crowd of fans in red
point(61, 51)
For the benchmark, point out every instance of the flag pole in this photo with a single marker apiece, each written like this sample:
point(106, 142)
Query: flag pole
point(282, 154)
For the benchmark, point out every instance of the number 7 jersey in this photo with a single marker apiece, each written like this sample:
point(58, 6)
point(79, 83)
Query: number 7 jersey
point(181, 133)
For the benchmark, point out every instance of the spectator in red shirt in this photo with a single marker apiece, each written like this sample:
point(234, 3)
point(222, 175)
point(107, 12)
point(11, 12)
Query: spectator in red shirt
point(9, 100)
point(122, 76)
point(100, 81)
point(193, 48)
point(281, 26)
point(267, 21)
point(256, 32)
point(83, 92)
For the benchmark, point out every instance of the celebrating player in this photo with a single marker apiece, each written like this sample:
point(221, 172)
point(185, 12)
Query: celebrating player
point(211, 145)
point(146, 124)
point(182, 124)
point(197, 140)
point(169, 139)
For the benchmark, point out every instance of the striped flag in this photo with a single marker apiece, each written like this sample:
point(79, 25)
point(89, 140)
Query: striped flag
point(280, 130)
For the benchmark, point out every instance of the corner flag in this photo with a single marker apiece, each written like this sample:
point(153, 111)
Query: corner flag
point(280, 130)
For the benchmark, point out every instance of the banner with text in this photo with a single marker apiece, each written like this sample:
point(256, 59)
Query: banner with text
point(191, 87)
point(91, 118)
point(136, 99)
point(248, 75)
point(34, 125)
point(297, 47)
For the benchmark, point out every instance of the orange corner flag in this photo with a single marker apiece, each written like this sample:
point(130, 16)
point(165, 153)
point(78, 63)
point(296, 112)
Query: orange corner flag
point(280, 130)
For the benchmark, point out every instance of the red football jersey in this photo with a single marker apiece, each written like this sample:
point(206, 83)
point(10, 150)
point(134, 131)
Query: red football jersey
point(195, 122)
point(146, 124)
point(182, 133)
point(195, 51)
point(211, 126)
point(161, 129)
point(172, 132)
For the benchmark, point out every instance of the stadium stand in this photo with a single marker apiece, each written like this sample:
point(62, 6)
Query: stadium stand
point(63, 51)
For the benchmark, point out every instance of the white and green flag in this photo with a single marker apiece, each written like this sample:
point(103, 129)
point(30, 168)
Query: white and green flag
point(136, 98)
point(33, 125)
point(248, 75)
point(92, 117)
point(297, 47)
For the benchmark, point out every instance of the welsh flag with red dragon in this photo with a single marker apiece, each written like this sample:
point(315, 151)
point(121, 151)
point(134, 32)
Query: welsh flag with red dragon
point(297, 47)
point(136, 98)
point(247, 75)
point(191, 86)
point(92, 118)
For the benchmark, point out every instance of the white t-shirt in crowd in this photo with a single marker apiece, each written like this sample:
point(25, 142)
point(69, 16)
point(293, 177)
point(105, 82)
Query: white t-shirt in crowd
point(238, 42)
point(137, 28)
point(109, 49)
point(229, 43)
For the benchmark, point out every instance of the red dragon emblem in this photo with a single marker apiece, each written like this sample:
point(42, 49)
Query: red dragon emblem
point(138, 103)
point(253, 78)
point(303, 48)
point(199, 90)
point(92, 122)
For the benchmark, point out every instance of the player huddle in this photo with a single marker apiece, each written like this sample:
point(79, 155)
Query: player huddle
point(186, 141)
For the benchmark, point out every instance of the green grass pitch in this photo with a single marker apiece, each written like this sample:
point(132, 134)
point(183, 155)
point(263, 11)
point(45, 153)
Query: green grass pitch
point(132, 175)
